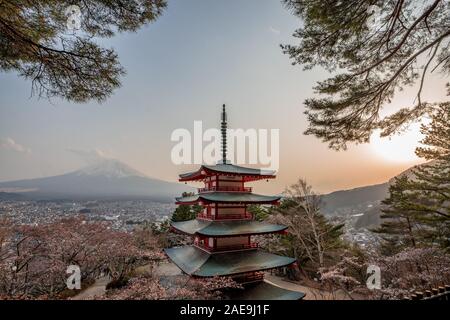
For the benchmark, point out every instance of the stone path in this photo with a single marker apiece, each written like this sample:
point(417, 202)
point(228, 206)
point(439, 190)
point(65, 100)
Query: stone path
point(311, 293)
point(97, 289)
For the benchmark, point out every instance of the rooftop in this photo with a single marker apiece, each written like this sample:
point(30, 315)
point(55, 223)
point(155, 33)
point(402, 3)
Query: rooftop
point(196, 262)
point(228, 169)
point(230, 197)
point(265, 291)
point(226, 228)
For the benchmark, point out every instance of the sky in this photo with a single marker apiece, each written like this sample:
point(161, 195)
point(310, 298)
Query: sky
point(198, 55)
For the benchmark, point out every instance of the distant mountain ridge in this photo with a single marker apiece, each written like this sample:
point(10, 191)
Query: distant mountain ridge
point(363, 200)
point(353, 197)
point(365, 194)
point(107, 179)
point(110, 168)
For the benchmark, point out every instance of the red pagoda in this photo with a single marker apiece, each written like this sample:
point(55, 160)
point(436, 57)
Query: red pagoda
point(223, 231)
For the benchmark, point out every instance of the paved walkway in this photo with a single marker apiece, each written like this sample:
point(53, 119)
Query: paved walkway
point(97, 289)
point(311, 293)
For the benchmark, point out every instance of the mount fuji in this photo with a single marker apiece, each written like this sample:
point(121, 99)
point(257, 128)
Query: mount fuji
point(107, 179)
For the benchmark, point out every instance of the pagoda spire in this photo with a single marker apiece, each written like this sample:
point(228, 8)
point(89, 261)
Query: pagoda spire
point(224, 135)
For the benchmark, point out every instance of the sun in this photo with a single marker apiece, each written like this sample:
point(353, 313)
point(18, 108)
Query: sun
point(398, 148)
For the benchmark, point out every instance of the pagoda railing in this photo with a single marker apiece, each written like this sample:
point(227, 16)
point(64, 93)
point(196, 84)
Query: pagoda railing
point(237, 247)
point(225, 189)
point(249, 277)
point(228, 248)
point(237, 216)
point(234, 216)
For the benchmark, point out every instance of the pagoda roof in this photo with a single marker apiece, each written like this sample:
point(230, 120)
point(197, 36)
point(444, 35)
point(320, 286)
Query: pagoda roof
point(265, 291)
point(197, 262)
point(226, 228)
point(227, 169)
point(230, 197)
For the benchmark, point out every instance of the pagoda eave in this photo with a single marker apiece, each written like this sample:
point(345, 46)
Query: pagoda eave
point(246, 178)
point(275, 202)
point(196, 262)
point(218, 229)
point(265, 291)
point(229, 198)
point(248, 174)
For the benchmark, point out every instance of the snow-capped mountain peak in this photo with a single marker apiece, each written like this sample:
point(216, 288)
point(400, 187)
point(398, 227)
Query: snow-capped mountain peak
point(110, 168)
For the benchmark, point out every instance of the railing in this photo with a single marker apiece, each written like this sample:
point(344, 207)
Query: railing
point(237, 247)
point(228, 248)
point(203, 246)
point(225, 189)
point(440, 293)
point(249, 277)
point(204, 216)
point(237, 216)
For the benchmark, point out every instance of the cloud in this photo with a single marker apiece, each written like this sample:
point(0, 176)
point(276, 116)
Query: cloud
point(90, 156)
point(9, 144)
point(274, 31)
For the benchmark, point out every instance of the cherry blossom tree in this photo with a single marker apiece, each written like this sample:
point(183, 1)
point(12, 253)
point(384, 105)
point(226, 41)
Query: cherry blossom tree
point(347, 275)
point(413, 269)
point(150, 287)
point(34, 259)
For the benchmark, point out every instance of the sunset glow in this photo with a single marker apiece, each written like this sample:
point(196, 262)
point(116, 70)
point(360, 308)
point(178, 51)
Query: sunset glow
point(398, 148)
